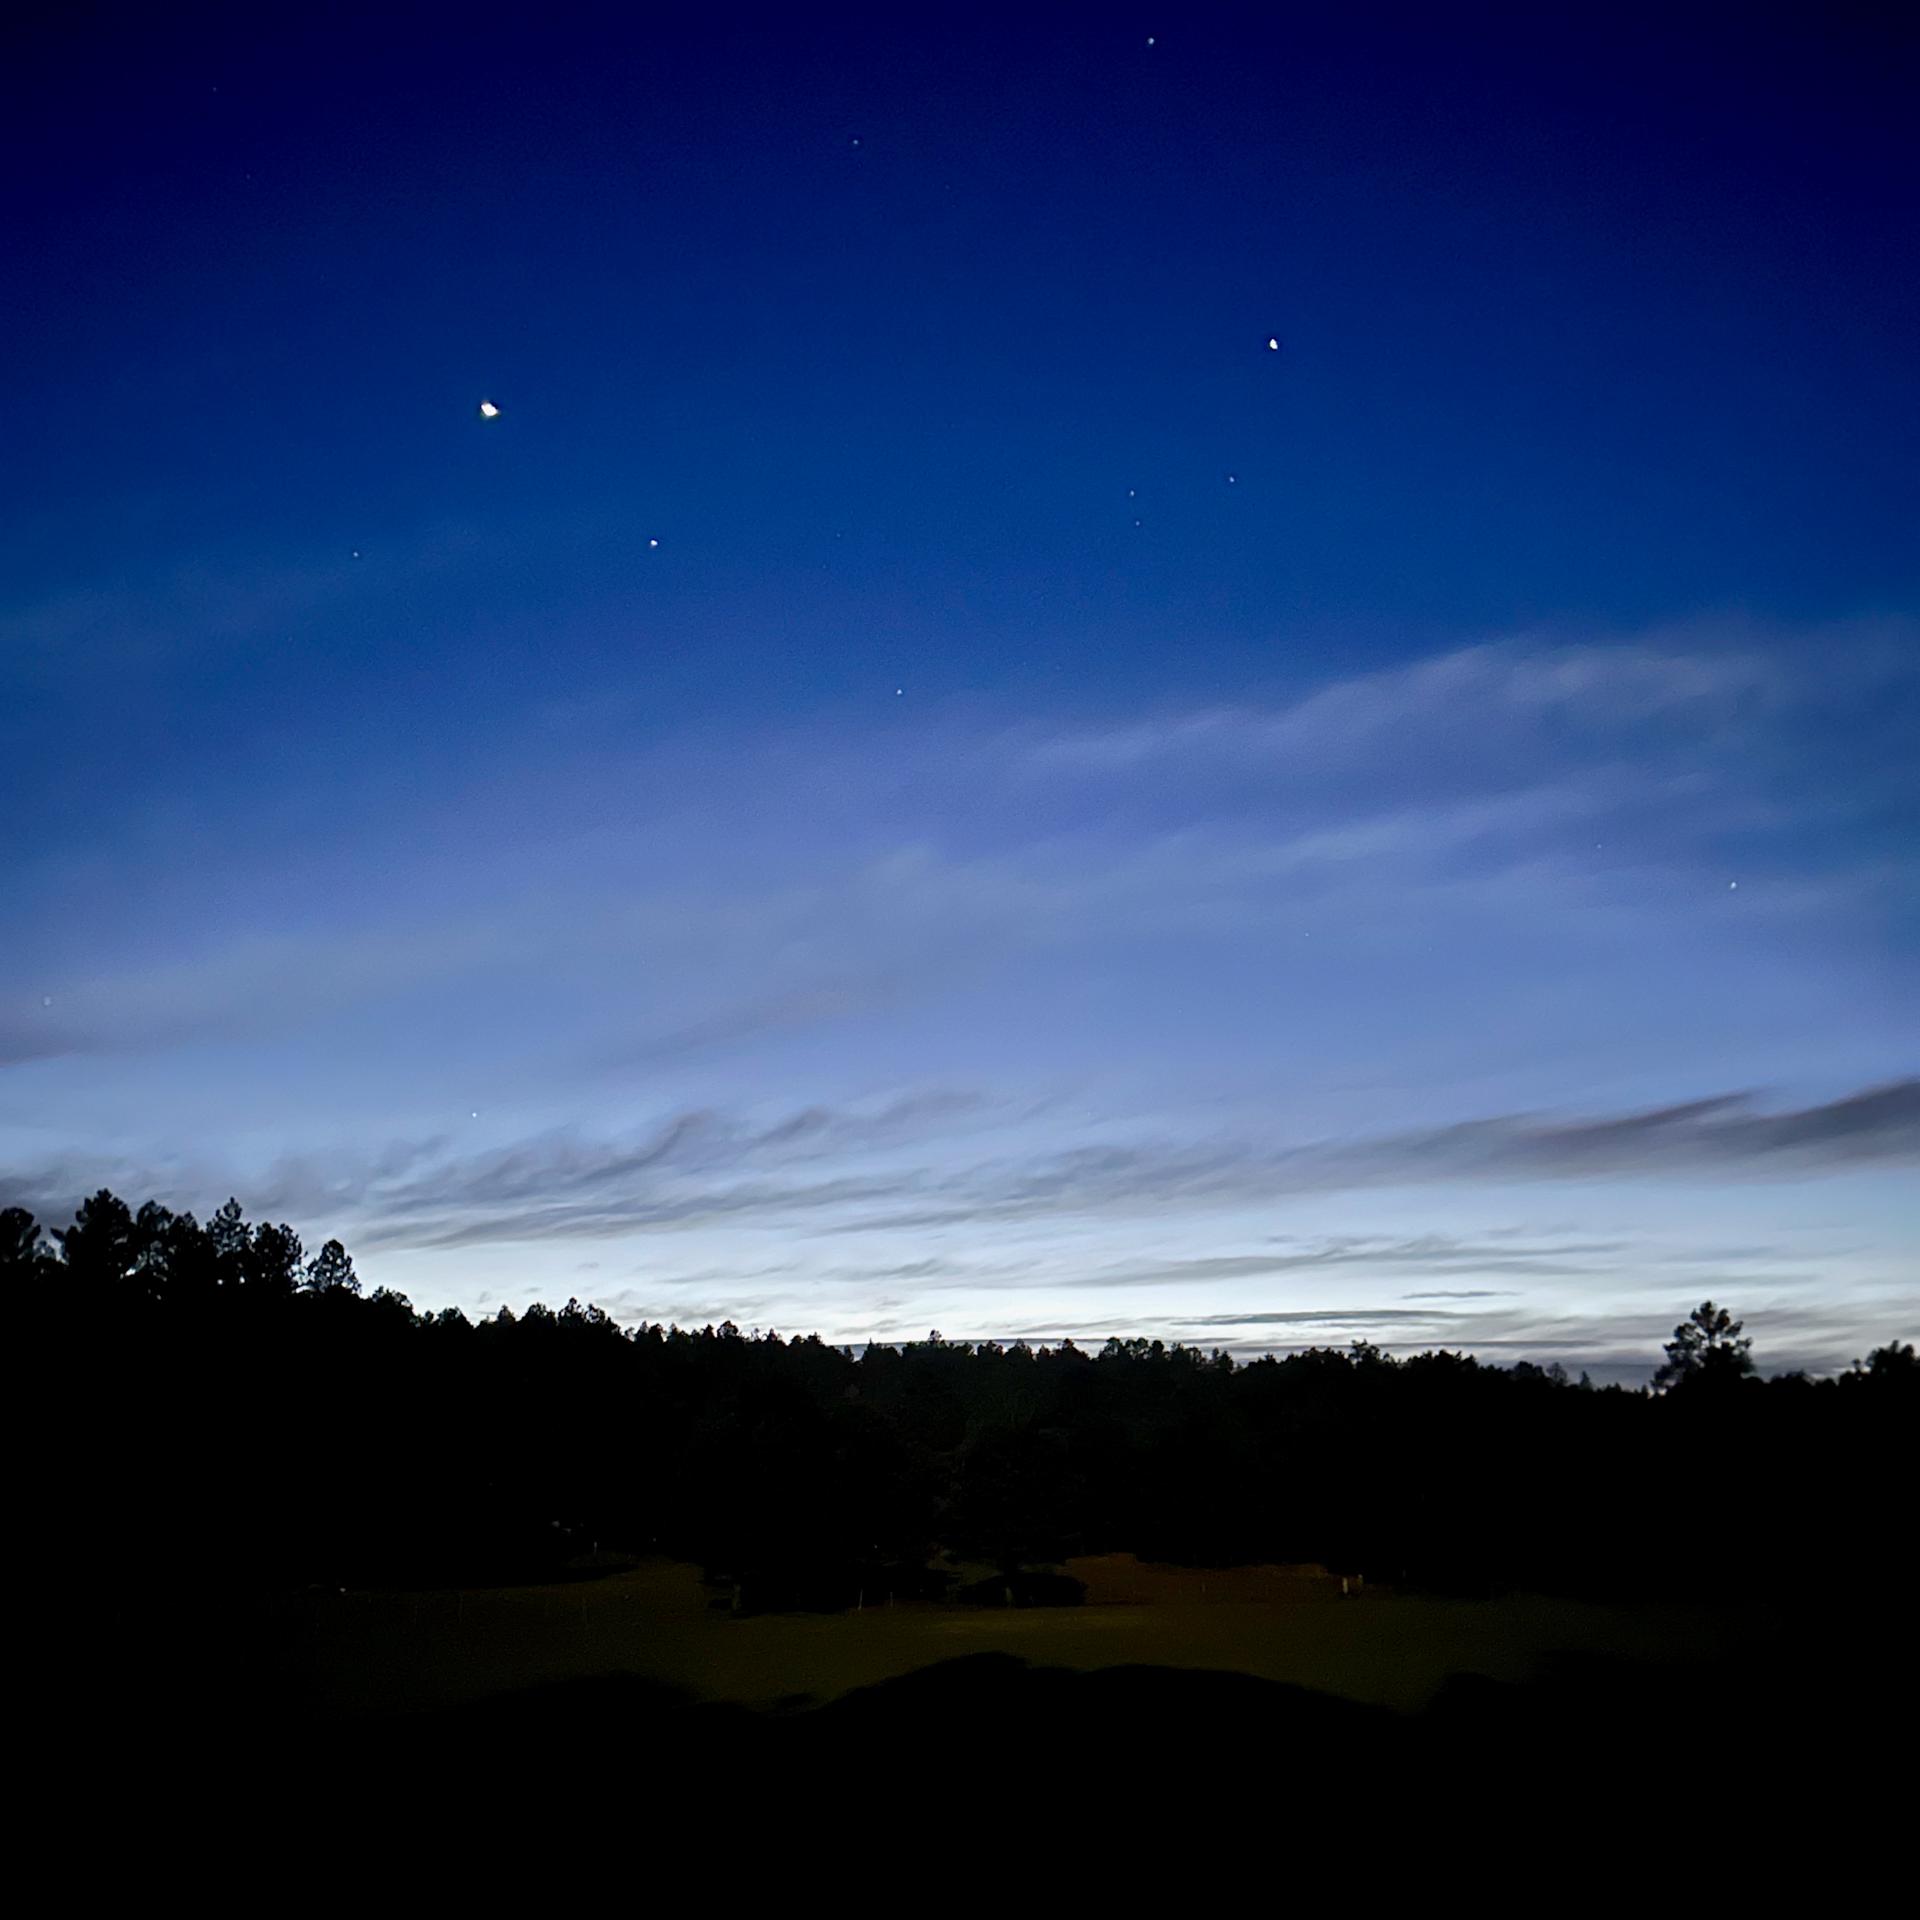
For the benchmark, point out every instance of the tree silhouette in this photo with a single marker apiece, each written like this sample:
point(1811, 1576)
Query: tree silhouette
point(1706, 1346)
point(21, 1254)
point(228, 1229)
point(100, 1248)
point(272, 1259)
point(202, 1360)
point(331, 1271)
point(1895, 1361)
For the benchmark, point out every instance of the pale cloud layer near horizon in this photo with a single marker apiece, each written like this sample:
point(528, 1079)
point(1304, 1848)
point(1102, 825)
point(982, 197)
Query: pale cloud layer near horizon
point(1511, 997)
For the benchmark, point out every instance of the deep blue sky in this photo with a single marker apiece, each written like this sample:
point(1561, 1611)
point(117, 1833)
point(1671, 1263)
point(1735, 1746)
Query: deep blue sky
point(1082, 821)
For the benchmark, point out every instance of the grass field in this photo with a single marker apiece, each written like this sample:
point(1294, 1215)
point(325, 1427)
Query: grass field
point(358, 1654)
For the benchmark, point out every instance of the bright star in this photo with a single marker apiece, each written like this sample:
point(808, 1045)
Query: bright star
point(1273, 345)
point(488, 411)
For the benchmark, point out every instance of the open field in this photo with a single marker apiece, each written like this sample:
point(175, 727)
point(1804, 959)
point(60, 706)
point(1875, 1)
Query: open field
point(1216, 1698)
point(358, 1654)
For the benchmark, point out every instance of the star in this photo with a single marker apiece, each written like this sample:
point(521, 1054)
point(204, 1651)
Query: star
point(488, 411)
point(1230, 479)
point(653, 543)
point(1273, 345)
point(1733, 886)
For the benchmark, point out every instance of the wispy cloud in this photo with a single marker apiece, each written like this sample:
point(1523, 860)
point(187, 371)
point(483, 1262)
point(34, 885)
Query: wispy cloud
point(193, 610)
point(1727, 1133)
point(1499, 793)
point(1444, 927)
point(837, 1171)
point(1377, 1253)
point(1725, 1136)
point(1458, 699)
point(1398, 1317)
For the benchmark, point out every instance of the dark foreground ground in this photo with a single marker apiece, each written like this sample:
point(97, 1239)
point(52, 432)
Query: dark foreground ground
point(1615, 1743)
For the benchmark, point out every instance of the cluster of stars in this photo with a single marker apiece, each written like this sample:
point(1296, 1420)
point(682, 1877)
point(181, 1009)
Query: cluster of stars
point(490, 410)
point(1232, 479)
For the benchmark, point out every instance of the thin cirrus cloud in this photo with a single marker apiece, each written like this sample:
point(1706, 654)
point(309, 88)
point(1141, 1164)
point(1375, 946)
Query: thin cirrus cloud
point(1726, 1136)
point(1453, 925)
point(1447, 790)
point(817, 1169)
point(1377, 1254)
point(1478, 715)
point(1508, 688)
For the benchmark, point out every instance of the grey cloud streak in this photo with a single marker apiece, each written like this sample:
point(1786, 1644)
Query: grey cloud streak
point(1720, 1136)
point(811, 1170)
point(1427, 1252)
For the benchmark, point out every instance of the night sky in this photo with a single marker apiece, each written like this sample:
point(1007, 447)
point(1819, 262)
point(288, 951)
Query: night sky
point(1244, 676)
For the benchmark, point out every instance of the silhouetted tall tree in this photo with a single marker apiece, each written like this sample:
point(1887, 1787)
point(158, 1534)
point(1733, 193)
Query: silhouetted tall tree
point(100, 1248)
point(331, 1271)
point(1707, 1345)
point(228, 1229)
point(21, 1254)
point(272, 1261)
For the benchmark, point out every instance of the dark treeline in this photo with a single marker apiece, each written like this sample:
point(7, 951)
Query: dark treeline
point(233, 1407)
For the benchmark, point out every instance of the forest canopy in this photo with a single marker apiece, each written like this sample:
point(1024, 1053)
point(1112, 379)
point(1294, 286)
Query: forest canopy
point(240, 1406)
